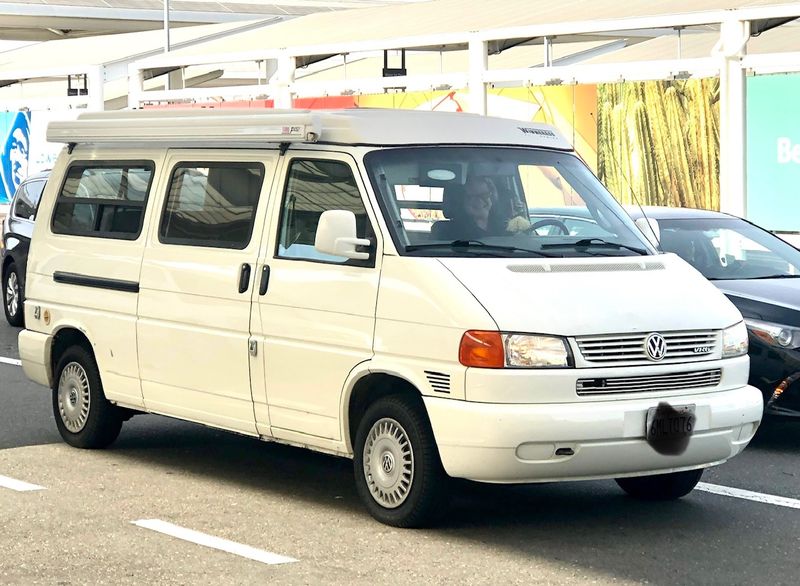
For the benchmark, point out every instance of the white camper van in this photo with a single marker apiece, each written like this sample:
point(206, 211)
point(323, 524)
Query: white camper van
point(375, 284)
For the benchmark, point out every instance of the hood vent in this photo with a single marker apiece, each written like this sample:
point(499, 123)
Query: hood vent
point(440, 382)
point(655, 265)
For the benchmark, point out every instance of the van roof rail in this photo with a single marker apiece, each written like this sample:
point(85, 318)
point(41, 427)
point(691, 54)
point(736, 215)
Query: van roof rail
point(182, 126)
point(254, 128)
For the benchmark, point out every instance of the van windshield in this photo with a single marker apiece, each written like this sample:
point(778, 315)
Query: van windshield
point(493, 201)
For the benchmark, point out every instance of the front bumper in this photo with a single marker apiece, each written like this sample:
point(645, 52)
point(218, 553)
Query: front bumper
point(517, 443)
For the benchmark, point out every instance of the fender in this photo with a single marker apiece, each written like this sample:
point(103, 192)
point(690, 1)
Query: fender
point(410, 370)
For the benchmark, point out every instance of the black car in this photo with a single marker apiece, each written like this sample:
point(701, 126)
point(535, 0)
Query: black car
point(17, 230)
point(760, 273)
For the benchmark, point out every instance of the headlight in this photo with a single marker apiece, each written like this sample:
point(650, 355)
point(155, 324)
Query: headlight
point(487, 349)
point(734, 341)
point(524, 351)
point(774, 334)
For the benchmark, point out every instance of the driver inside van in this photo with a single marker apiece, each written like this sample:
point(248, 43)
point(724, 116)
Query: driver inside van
point(481, 214)
point(475, 218)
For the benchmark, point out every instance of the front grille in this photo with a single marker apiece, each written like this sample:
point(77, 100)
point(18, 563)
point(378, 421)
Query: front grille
point(675, 381)
point(683, 346)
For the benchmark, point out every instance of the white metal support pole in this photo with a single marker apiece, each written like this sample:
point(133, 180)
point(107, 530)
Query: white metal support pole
point(168, 85)
point(548, 52)
point(95, 83)
point(734, 35)
point(478, 64)
point(135, 85)
point(166, 26)
point(284, 94)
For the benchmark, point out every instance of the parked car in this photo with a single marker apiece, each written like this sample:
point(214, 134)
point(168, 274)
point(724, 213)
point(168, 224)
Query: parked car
point(17, 229)
point(760, 273)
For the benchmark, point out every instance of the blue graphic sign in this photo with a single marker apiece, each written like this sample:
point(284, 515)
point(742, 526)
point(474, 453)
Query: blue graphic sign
point(15, 133)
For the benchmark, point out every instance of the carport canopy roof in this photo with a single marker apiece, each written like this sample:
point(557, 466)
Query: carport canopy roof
point(446, 24)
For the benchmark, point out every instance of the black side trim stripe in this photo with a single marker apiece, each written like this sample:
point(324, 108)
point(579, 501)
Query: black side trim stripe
point(96, 282)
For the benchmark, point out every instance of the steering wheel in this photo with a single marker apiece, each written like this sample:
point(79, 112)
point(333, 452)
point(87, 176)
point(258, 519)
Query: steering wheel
point(549, 222)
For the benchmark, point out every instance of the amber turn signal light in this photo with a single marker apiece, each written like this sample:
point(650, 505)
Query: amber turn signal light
point(482, 349)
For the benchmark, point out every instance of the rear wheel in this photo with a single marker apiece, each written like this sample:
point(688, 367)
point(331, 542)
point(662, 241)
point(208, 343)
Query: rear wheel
point(13, 296)
point(661, 487)
point(397, 469)
point(84, 417)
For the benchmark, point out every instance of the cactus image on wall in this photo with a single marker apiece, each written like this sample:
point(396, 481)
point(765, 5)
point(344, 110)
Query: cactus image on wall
point(658, 142)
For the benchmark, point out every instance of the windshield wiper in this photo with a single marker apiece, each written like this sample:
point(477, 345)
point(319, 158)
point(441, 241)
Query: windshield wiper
point(774, 277)
point(456, 244)
point(586, 242)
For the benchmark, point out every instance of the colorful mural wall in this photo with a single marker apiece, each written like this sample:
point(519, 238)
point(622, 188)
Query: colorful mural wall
point(572, 109)
point(15, 134)
point(658, 142)
point(654, 142)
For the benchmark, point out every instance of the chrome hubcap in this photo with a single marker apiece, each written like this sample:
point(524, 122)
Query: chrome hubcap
point(74, 399)
point(388, 463)
point(12, 294)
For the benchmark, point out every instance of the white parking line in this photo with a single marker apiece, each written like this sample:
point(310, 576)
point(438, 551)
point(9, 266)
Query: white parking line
point(245, 551)
point(13, 361)
point(749, 495)
point(18, 485)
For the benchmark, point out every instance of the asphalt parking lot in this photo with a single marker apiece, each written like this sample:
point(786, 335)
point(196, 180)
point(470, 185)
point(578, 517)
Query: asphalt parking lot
point(176, 503)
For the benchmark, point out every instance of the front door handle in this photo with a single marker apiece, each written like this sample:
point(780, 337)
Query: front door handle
point(262, 287)
point(244, 278)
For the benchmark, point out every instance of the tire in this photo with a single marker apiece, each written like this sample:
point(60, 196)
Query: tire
point(84, 417)
point(398, 473)
point(661, 487)
point(13, 296)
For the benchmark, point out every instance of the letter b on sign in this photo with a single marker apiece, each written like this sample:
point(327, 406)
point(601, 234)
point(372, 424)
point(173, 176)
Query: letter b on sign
point(788, 152)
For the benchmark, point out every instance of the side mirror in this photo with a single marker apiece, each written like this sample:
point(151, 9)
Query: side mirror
point(650, 229)
point(336, 235)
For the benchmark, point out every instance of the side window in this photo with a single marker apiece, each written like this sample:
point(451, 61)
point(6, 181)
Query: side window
point(27, 199)
point(312, 187)
point(212, 204)
point(104, 200)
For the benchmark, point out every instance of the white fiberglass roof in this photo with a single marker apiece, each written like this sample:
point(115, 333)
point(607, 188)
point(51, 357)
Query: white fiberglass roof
point(194, 127)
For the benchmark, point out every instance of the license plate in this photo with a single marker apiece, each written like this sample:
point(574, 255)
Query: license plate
point(669, 421)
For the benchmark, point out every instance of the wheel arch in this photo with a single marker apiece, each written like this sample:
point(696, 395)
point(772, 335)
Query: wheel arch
point(64, 338)
point(367, 388)
point(7, 260)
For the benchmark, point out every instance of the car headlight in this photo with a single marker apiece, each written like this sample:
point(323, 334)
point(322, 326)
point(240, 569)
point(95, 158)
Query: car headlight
point(525, 351)
point(774, 334)
point(734, 340)
point(484, 349)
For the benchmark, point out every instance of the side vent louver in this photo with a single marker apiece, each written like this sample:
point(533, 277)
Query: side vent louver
point(440, 382)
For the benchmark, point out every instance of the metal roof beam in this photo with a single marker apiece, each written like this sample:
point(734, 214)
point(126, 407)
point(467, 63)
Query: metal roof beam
point(772, 63)
point(82, 14)
point(606, 72)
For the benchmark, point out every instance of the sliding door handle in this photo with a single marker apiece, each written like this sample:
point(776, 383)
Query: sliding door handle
point(244, 278)
point(262, 287)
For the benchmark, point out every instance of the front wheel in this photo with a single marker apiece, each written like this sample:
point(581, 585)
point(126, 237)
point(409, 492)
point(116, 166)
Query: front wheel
point(13, 296)
point(84, 417)
point(397, 469)
point(661, 487)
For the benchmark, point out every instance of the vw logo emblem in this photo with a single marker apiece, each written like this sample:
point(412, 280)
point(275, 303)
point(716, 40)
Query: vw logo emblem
point(387, 462)
point(656, 346)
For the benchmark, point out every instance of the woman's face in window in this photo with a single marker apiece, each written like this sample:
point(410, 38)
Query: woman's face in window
point(478, 200)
